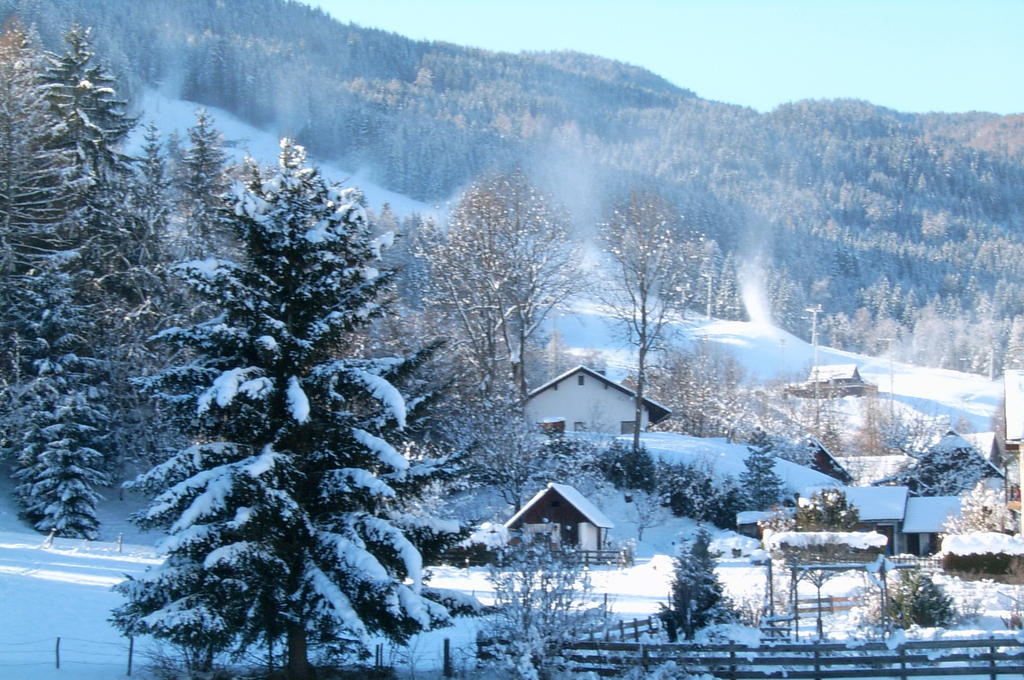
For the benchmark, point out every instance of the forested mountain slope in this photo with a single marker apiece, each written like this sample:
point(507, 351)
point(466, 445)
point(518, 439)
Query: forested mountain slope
point(901, 225)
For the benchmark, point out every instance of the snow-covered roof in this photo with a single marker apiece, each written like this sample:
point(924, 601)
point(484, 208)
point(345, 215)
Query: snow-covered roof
point(869, 469)
point(833, 372)
point(1013, 391)
point(655, 412)
point(726, 459)
point(752, 516)
point(928, 514)
point(574, 498)
point(876, 503)
point(983, 441)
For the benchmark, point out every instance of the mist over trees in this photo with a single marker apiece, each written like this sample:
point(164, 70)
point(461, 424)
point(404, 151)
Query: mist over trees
point(899, 225)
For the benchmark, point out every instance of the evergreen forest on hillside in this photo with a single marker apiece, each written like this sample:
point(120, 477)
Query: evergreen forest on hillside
point(902, 226)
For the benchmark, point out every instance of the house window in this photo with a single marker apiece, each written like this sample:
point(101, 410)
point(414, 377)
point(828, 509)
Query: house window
point(627, 427)
point(579, 426)
point(556, 504)
point(579, 380)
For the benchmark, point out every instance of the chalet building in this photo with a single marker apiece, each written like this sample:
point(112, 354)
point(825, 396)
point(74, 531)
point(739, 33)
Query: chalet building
point(565, 517)
point(824, 462)
point(584, 400)
point(827, 382)
point(911, 523)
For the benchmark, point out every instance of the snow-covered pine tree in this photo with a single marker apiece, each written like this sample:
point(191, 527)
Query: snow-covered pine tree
point(56, 424)
point(201, 181)
point(697, 599)
point(761, 486)
point(51, 416)
point(916, 600)
point(278, 516)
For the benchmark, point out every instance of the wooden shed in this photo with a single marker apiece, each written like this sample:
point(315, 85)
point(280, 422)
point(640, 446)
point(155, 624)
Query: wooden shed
point(565, 516)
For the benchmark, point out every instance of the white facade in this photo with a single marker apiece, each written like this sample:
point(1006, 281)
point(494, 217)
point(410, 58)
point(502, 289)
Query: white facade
point(587, 401)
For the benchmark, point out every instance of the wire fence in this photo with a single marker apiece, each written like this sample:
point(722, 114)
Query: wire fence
point(63, 652)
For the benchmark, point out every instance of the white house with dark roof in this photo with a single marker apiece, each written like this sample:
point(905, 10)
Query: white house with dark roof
point(584, 400)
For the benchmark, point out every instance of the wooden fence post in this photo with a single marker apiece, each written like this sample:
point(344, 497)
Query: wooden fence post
point(57, 653)
point(447, 667)
point(131, 652)
point(992, 662)
point(903, 661)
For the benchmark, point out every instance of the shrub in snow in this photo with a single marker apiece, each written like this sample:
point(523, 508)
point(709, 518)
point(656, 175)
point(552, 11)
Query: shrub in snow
point(697, 599)
point(629, 468)
point(694, 491)
point(915, 600)
point(984, 509)
point(984, 555)
point(542, 600)
point(826, 510)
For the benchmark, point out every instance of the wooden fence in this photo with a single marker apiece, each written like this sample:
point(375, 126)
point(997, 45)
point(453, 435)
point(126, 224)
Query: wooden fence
point(624, 630)
point(828, 605)
point(992, 658)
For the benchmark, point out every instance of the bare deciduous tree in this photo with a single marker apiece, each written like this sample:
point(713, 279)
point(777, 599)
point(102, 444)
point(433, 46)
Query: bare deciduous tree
point(504, 262)
point(652, 277)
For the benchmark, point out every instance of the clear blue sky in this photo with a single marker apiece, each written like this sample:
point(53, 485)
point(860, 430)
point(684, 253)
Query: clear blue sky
point(910, 55)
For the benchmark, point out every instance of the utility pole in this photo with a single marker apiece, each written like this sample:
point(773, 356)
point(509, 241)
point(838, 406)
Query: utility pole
point(815, 373)
point(892, 379)
point(708, 313)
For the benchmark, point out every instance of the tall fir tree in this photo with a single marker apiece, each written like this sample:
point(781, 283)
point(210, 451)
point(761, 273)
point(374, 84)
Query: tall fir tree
point(281, 516)
point(201, 181)
point(56, 423)
point(52, 415)
point(762, 488)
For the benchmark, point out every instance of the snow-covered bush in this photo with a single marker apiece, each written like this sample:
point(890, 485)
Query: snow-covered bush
point(627, 468)
point(826, 510)
point(694, 491)
point(983, 509)
point(542, 600)
point(984, 555)
point(915, 600)
point(823, 547)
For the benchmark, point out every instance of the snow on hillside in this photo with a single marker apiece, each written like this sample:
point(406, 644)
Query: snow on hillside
point(727, 459)
point(242, 139)
point(771, 354)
